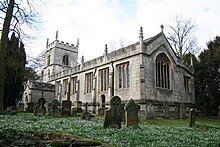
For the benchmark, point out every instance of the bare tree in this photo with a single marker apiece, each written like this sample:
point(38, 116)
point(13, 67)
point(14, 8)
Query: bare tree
point(37, 63)
point(181, 36)
point(13, 14)
point(113, 45)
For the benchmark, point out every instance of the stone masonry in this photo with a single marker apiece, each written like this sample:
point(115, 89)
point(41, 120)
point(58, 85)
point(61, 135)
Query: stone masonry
point(136, 71)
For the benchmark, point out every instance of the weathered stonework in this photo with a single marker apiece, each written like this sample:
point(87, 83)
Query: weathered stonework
point(33, 91)
point(141, 72)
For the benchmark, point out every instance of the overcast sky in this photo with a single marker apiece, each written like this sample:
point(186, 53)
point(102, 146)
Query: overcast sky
point(100, 22)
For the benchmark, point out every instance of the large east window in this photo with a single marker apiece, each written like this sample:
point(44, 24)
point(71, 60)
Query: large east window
point(88, 82)
point(123, 75)
point(104, 79)
point(163, 71)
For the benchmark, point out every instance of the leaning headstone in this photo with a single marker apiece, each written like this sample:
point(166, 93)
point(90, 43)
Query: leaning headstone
point(149, 111)
point(54, 109)
point(40, 109)
point(66, 107)
point(191, 117)
point(166, 109)
point(182, 111)
point(113, 116)
point(86, 115)
point(131, 114)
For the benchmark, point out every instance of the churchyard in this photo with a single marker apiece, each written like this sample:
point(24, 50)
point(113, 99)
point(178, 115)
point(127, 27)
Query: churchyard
point(122, 125)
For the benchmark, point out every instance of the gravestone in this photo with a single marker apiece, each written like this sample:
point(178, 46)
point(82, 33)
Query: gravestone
point(166, 109)
point(177, 112)
point(77, 107)
point(66, 107)
point(40, 109)
point(30, 107)
point(131, 114)
point(191, 117)
point(149, 111)
point(53, 108)
point(182, 111)
point(113, 116)
point(101, 111)
point(86, 115)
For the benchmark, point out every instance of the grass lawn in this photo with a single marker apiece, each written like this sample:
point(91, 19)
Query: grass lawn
point(152, 132)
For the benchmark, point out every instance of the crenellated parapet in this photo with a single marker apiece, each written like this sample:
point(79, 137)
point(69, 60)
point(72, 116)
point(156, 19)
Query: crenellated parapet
point(61, 44)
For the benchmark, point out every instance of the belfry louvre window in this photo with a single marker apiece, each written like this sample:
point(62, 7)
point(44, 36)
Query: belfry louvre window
point(123, 75)
point(73, 85)
point(65, 60)
point(187, 83)
point(88, 82)
point(104, 79)
point(162, 71)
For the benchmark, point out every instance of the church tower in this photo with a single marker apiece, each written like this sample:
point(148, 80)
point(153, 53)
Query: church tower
point(59, 56)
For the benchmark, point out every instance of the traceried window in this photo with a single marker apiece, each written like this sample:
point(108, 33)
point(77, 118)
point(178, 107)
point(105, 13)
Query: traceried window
point(104, 79)
point(73, 85)
point(57, 89)
point(163, 71)
point(187, 83)
point(65, 83)
point(88, 82)
point(123, 75)
point(48, 60)
point(65, 60)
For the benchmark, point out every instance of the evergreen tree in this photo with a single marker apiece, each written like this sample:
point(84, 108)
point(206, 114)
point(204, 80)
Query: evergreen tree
point(207, 78)
point(15, 69)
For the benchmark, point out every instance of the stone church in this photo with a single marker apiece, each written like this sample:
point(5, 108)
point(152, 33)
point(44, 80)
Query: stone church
point(148, 71)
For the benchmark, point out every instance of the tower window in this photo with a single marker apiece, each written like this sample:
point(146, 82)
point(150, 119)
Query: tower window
point(65, 60)
point(48, 60)
point(163, 71)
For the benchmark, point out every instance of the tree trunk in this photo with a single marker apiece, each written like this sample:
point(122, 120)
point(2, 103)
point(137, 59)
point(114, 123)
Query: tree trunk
point(3, 47)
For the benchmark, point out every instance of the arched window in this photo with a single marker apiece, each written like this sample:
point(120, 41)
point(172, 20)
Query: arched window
point(163, 71)
point(65, 60)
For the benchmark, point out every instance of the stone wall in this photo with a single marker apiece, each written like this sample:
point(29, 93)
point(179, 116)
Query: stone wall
point(142, 75)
